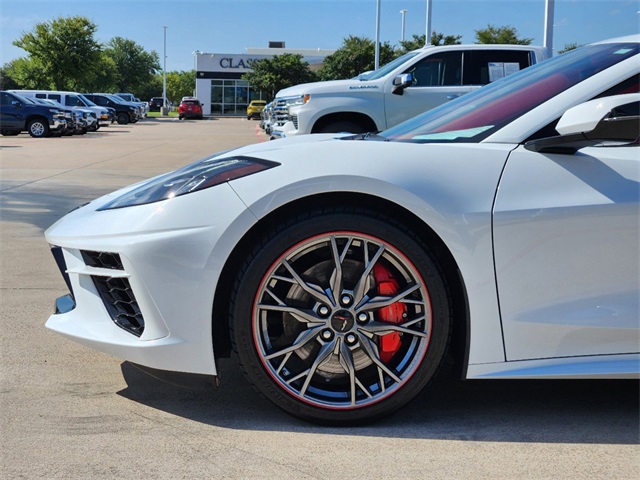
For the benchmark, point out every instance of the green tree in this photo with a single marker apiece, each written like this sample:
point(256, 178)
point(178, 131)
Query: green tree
point(506, 34)
point(27, 73)
point(273, 74)
point(437, 39)
point(65, 49)
point(134, 67)
point(7, 82)
point(355, 56)
point(103, 78)
point(179, 84)
point(568, 47)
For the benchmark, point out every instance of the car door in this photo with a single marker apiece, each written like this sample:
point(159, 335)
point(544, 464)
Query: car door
point(11, 112)
point(566, 232)
point(437, 78)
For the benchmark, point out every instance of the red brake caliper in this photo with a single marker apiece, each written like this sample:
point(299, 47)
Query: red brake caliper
point(388, 286)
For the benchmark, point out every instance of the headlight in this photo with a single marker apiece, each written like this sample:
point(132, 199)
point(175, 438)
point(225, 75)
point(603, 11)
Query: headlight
point(197, 176)
point(54, 110)
point(301, 100)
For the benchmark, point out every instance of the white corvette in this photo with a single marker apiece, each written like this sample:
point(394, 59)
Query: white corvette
point(500, 230)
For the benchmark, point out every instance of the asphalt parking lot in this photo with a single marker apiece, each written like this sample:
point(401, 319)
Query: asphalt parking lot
point(68, 412)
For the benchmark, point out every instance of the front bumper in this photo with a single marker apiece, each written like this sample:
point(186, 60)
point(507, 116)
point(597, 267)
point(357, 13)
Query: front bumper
point(163, 282)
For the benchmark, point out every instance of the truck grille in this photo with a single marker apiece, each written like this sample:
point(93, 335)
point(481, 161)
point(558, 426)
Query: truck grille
point(280, 112)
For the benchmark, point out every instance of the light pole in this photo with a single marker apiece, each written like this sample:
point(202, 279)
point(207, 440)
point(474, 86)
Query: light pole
point(549, 6)
point(403, 12)
point(428, 21)
point(377, 54)
point(164, 75)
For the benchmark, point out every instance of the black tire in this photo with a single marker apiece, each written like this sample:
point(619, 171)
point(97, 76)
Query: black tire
point(342, 126)
point(38, 128)
point(122, 118)
point(286, 327)
point(5, 132)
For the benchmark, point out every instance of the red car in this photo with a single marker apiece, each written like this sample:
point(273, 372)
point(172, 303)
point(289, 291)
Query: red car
point(190, 107)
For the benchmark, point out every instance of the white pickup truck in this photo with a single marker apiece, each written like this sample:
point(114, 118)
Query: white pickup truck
point(409, 85)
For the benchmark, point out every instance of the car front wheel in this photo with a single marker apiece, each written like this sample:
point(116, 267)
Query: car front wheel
point(38, 128)
point(123, 118)
point(340, 316)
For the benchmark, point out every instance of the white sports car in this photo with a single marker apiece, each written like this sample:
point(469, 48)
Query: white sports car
point(500, 230)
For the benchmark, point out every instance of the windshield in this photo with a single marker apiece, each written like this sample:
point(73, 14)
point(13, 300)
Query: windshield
point(382, 71)
point(86, 101)
point(477, 115)
point(116, 99)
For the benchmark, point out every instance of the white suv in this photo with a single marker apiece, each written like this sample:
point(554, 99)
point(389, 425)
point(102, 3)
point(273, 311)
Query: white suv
point(409, 85)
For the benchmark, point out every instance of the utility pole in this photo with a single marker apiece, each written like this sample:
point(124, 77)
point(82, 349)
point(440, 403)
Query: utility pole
point(428, 19)
point(403, 12)
point(549, 6)
point(164, 76)
point(377, 54)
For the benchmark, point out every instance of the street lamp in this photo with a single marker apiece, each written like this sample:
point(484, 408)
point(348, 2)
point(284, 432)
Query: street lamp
point(377, 51)
point(403, 12)
point(164, 75)
point(428, 22)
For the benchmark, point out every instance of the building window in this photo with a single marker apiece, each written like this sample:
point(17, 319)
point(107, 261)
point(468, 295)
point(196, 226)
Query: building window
point(231, 97)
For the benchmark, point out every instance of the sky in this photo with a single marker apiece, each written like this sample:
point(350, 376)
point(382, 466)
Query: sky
point(232, 26)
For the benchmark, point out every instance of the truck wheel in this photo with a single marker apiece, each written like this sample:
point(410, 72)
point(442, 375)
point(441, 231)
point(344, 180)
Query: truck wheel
point(38, 128)
point(123, 118)
point(342, 126)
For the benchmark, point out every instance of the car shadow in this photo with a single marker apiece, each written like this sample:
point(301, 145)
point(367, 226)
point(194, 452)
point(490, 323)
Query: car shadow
point(534, 411)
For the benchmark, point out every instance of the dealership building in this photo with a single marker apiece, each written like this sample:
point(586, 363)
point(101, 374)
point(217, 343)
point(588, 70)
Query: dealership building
point(219, 84)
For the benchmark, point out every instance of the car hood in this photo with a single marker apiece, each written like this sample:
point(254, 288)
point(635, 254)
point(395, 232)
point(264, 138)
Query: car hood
point(332, 86)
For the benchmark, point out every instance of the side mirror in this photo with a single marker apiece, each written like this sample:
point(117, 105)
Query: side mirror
point(16, 103)
point(608, 119)
point(401, 82)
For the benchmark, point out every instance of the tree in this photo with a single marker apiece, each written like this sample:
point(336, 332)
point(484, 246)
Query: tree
point(65, 50)
point(7, 81)
point(27, 74)
point(437, 39)
point(273, 74)
point(180, 84)
point(355, 56)
point(134, 67)
point(568, 47)
point(507, 34)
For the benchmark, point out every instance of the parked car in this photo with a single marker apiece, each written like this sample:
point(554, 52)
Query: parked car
point(129, 97)
point(156, 103)
point(255, 108)
point(190, 107)
point(75, 124)
point(498, 231)
point(18, 114)
point(405, 87)
point(125, 112)
point(73, 100)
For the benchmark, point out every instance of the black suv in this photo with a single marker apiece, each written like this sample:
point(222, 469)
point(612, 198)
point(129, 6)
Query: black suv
point(156, 103)
point(125, 112)
point(18, 114)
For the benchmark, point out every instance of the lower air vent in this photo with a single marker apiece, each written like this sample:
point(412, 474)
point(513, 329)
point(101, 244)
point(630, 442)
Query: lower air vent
point(120, 302)
point(102, 260)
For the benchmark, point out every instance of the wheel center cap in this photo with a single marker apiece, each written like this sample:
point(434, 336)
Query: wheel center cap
point(342, 321)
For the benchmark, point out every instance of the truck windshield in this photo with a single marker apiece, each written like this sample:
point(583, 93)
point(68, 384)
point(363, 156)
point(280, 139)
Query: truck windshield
point(477, 115)
point(384, 70)
point(87, 102)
